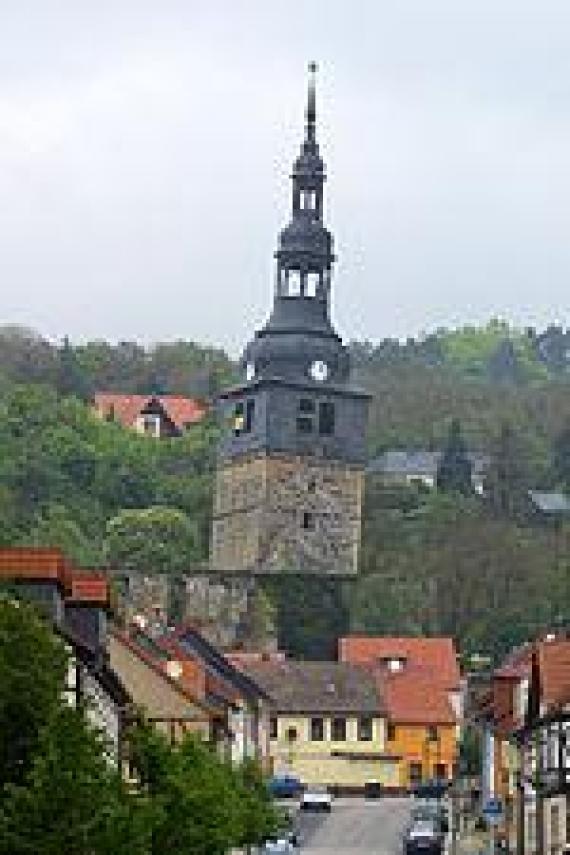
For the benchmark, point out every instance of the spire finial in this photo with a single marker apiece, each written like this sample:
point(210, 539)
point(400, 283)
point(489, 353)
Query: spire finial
point(311, 103)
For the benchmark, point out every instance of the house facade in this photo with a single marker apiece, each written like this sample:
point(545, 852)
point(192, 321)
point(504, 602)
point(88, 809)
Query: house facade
point(77, 603)
point(524, 716)
point(158, 416)
point(418, 466)
point(184, 684)
point(328, 723)
point(421, 685)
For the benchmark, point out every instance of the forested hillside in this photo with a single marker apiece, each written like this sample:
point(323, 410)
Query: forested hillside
point(432, 561)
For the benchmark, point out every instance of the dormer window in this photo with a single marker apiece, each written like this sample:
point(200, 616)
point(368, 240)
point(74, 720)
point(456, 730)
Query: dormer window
point(394, 664)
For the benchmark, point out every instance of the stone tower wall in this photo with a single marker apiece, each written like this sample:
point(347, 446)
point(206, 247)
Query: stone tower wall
point(278, 514)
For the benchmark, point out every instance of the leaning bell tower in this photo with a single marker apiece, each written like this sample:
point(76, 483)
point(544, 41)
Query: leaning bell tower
point(289, 482)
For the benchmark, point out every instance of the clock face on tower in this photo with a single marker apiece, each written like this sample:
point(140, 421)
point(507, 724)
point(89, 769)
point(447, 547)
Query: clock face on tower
point(319, 371)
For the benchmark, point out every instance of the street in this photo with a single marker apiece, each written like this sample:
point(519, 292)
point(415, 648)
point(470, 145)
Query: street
point(355, 827)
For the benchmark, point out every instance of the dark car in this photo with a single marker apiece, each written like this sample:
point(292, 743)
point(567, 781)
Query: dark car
point(434, 789)
point(285, 786)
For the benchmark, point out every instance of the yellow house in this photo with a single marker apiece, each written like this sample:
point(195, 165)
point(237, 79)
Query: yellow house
point(328, 725)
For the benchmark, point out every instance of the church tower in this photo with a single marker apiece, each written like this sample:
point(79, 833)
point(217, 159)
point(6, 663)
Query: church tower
point(289, 482)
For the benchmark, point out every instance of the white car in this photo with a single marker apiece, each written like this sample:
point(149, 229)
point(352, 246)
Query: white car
point(281, 844)
point(316, 798)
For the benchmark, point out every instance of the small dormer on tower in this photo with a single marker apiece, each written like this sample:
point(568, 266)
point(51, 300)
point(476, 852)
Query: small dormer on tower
point(289, 480)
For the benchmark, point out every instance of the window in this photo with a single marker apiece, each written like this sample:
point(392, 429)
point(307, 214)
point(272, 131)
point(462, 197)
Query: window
point(273, 729)
point(305, 421)
point(317, 729)
point(391, 732)
point(308, 521)
point(326, 418)
point(440, 771)
point(338, 730)
point(304, 425)
point(365, 729)
point(238, 418)
point(291, 734)
point(243, 417)
point(415, 773)
point(432, 734)
point(249, 415)
point(308, 199)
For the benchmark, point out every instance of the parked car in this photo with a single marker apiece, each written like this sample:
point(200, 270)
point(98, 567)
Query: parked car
point(285, 786)
point(433, 811)
point(434, 789)
point(282, 843)
point(316, 798)
point(423, 837)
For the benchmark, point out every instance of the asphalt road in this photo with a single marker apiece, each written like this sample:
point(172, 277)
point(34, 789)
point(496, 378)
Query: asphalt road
point(356, 827)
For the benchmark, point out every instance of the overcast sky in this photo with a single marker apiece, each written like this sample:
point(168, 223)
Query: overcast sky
point(145, 149)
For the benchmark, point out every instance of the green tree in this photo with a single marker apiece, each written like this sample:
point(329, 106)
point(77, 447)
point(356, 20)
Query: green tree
point(71, 379)
point(54, 527)
point(454, 473)
point(32, 670)
point(561, 458)
point(507, 478)
point(152, 540)
point(206, 806)
point(72, 801)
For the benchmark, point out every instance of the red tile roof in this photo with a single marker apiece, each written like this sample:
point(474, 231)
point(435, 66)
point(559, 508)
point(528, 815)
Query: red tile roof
point(554, 669)
point(434, 656)
point(419, 693)
point(86, 587)
point(126, 408)
point(39, 564)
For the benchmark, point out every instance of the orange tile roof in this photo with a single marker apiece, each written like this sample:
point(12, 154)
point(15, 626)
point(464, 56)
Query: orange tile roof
point(412, 698)
point(126, 408)
point(38, 563)
point(434, 656)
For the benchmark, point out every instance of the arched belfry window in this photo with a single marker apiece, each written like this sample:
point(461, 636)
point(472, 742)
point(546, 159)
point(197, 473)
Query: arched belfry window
point(312, 284)
point(308, 200)
point(294, 283)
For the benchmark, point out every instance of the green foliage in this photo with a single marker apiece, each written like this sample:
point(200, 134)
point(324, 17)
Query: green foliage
point(32, 669)
point(204, 805)
point(65, 473)
point(60, 794)
point(151, 540)
point(72, 800)
point(455, 469)
point(436, 563)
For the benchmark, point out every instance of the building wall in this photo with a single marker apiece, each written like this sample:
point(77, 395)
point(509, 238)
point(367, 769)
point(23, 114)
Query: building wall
point(413, 744)
point(259, 516)
point(348, 763)
point(154, 694)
